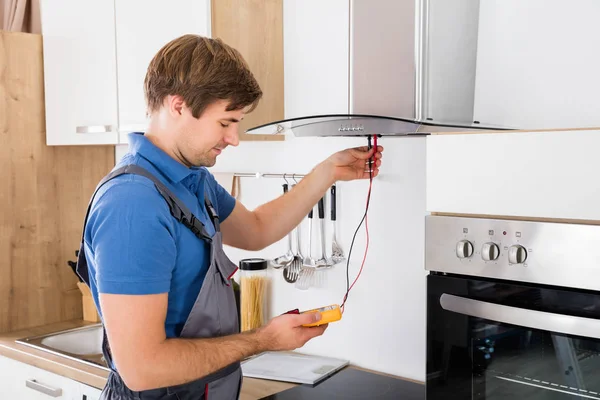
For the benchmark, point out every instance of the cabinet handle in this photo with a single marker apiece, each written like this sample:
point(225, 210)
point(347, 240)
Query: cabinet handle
point(95, 129)
point(50, 391)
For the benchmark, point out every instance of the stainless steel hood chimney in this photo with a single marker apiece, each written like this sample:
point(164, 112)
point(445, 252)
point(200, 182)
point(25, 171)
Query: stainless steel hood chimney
point(354, 69)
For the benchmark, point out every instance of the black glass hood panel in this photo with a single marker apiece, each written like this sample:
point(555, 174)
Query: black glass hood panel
point(354, 125)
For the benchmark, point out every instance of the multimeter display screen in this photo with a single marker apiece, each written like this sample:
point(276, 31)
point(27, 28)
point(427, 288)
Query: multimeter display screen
point(322, 309)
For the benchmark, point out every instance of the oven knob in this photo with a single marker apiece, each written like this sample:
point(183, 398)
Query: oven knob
point(490, 251)
point(464, 249)
point(517, 254)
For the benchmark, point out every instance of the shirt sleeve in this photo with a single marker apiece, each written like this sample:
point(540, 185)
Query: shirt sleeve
point(131, 234)
point(225, 202)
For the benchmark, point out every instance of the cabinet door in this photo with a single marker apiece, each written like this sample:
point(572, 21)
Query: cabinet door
point(522, 174)
point(89, 393)
point(79, 72)
point(139, 37)
point(316, 46)
point(22, 381)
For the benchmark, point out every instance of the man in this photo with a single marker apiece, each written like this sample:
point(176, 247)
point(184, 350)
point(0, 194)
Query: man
point(154, 232)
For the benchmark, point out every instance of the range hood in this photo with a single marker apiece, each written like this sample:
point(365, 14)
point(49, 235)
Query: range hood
point(357, 125)
point(353, 68)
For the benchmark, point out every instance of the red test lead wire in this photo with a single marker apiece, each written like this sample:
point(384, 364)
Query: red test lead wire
point(372, 162)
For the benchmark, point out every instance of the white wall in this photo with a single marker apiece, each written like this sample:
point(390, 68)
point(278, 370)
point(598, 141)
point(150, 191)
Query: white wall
point(383, 327)
point(537, 63)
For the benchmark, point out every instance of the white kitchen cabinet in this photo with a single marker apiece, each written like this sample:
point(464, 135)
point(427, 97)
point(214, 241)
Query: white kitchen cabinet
point(514, 69)
point(138, 40)
point(522, 174)
point(344, 56)
point(94, 68)
point(80, 74)
point(23, 381)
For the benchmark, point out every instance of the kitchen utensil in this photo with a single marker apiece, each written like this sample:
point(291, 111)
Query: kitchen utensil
point(308, 260)
point(308, 263)
point(292, 271)
point(288, 257)
point(73, 265)
point(90, 313)
point(289, 274)
point(319, 278)
point(322, 262)
point(305, 273)
point(306, 278)
point(313, 276)
point(337, 254)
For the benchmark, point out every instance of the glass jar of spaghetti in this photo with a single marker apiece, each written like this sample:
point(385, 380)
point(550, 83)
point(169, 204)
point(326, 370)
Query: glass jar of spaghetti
point(254, 285)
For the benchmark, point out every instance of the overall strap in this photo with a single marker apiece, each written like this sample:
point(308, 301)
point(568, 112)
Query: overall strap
point(212, 213)
point(178, 210)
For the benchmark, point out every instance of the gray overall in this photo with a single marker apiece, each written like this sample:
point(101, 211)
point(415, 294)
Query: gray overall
point(214, 312)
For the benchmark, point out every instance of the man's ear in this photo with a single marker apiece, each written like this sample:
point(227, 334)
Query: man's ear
point(175, 105)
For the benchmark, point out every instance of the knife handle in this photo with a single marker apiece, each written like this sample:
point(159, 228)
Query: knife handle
point(333, 205)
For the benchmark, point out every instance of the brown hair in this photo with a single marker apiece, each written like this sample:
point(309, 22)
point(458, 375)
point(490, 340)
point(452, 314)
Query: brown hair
point(200, 70)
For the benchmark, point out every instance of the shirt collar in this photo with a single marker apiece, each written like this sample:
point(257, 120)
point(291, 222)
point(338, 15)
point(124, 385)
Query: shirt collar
point(172, 169)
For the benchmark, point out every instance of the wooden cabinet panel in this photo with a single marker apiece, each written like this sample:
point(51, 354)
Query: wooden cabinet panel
point(45, 192)
point(255, 28)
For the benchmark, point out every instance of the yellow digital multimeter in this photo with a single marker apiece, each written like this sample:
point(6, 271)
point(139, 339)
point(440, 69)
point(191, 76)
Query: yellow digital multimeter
point(329, 314)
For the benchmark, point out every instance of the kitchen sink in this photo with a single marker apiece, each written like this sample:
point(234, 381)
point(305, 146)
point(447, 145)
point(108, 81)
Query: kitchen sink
point(82, 344)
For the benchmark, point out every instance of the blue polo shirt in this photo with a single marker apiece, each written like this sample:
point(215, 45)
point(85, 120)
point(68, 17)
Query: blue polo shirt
point(132, 243)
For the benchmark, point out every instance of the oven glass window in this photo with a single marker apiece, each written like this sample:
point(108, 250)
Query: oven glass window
point(510, 362)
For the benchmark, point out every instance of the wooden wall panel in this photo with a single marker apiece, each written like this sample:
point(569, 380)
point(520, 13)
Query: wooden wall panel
point(43, 196)
point(255, 29)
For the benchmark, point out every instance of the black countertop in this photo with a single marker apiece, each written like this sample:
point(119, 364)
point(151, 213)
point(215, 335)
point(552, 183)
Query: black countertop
point(351, 383)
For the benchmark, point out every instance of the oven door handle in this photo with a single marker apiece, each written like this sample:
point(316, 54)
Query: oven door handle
point(559, 323)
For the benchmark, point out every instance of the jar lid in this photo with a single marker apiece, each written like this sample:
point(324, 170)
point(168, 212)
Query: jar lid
point(253, 264)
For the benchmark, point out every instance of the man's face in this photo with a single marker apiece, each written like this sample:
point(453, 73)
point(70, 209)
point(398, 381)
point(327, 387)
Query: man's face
point(201, 140)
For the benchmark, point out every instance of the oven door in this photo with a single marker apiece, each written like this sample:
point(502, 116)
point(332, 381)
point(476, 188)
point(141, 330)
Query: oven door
point(492, 340)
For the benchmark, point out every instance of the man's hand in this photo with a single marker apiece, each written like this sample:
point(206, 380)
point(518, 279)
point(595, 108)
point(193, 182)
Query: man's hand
point(287, 333)
point(353, 163)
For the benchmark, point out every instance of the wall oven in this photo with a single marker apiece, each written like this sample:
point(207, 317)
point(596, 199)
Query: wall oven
point(513, 309)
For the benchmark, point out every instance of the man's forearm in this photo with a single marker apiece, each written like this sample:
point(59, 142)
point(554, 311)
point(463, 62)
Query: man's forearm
point(177, 361)
point(278, 217)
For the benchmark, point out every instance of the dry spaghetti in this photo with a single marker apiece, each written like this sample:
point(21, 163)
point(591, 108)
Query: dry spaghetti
point(252, 302)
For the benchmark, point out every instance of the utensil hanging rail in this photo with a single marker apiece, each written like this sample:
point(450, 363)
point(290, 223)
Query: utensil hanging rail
point(261, 175)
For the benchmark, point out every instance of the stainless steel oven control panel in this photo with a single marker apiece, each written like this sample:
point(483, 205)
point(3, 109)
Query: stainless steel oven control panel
point(548, 253)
